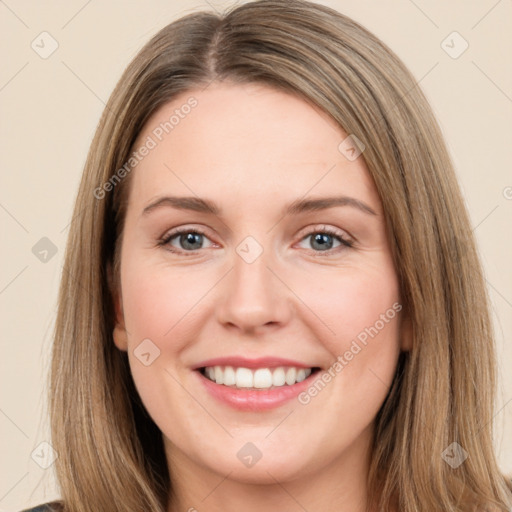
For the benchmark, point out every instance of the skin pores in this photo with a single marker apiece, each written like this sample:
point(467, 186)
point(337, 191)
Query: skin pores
point(252, 151)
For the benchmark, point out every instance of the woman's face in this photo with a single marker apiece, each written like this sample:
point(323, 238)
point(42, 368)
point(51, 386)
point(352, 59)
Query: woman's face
point(282, 267)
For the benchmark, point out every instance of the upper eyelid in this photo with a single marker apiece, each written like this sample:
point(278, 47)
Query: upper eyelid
point(319, 228)
point(171, 233)
point(305, 232)
point(202, 230)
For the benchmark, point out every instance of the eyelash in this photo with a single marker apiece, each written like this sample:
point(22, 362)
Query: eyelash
point(345, 243)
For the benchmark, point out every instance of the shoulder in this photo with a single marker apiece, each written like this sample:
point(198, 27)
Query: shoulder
point(46, 507)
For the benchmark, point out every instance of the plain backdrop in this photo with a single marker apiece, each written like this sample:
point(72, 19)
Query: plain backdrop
point(51, 103)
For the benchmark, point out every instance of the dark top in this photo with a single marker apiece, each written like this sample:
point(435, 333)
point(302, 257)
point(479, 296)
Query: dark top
point(46, 507)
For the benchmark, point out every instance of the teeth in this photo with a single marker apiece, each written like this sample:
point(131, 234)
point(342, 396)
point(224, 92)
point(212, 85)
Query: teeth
point(229, 376)
point(291, 375)
point(261, 378)
point(219, 375)
point(278, 377)
point(244, 377)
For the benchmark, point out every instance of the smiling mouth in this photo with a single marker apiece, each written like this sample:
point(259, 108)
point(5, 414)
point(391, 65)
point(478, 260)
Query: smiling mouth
point(256, 379)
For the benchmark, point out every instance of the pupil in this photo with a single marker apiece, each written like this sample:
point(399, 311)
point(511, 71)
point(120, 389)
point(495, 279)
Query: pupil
point(324, 240)
point(190, 239)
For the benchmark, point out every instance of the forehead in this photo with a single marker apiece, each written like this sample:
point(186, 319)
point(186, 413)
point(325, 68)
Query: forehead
point(248, 142)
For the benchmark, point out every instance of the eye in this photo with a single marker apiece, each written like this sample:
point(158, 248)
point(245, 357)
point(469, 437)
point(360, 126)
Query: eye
point(184, 240)
point(323, 238)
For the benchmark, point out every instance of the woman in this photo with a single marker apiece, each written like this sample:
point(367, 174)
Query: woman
point(272, 298)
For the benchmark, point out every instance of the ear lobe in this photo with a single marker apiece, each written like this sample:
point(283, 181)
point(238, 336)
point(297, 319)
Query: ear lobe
point(119, 333)
point(406, 334)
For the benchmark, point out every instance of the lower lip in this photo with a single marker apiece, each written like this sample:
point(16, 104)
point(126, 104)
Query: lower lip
point(252, 400)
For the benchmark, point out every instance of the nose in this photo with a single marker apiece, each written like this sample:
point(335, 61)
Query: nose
point(254, 298)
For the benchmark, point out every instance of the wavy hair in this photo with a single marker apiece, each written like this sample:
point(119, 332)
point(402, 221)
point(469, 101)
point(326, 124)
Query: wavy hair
point(111, 456)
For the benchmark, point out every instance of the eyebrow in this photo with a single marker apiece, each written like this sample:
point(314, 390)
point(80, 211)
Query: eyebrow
point(197, 204)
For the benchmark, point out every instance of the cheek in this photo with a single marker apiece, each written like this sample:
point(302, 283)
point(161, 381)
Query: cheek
point(352, 303)
point(362, 311)
point(159, 303)
point(163, 309)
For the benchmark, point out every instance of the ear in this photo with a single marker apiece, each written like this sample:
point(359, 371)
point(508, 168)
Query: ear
point(119, 334)
point(406, 333)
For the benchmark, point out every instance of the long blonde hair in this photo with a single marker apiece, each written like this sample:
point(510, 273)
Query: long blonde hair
point(111, 456)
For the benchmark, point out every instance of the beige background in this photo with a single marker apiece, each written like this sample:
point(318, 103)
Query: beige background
point(50, 108)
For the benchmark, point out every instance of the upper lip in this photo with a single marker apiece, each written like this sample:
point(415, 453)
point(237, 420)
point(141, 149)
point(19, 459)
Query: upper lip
point(244, 362)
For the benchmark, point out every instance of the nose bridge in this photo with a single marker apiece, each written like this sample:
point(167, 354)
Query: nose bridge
point(253, 295)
